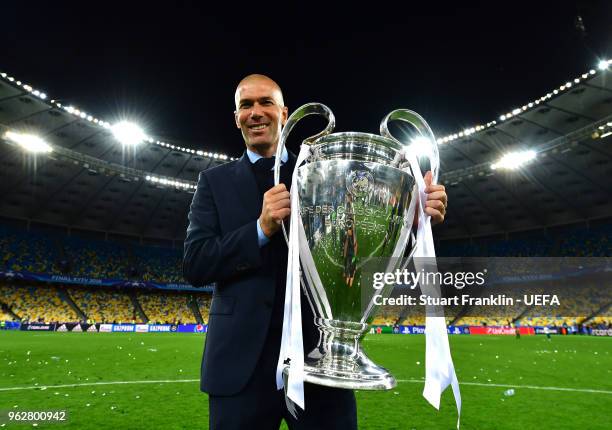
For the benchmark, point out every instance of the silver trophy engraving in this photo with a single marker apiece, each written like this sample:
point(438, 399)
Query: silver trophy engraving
point(357, 198)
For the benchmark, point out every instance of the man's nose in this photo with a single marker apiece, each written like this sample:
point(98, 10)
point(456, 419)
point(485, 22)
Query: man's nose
point(256, 111)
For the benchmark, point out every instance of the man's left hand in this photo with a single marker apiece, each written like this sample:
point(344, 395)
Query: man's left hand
point(437, 200)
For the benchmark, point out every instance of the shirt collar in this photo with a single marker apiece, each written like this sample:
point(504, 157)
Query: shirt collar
point(254, 156)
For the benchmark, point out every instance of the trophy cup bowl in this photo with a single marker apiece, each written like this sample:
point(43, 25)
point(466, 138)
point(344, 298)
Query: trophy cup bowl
point(357, 200)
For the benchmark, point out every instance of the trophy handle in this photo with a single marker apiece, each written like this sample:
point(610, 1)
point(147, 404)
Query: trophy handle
point(424, 130)
point(297, 115)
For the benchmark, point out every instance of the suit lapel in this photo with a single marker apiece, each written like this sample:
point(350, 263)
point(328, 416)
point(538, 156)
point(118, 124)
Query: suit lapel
point(245, 187)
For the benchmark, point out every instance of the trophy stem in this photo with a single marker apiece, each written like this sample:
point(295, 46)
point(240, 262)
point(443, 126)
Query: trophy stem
point(339, 360)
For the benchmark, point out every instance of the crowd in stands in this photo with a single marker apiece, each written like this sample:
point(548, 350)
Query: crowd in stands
point(36, 304)
point(5, 316)
point(203, 303)
point(105, 306)
point(602, 321)
point(569, 241)
point(162, 265)
point(584, 301)
point(95, 259)
point(47, 304)
point(33, 252)
point(44, 303)
point(55, 253)
point(165, 308)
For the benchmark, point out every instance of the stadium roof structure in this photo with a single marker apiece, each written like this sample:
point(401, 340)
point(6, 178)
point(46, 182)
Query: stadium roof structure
point(89, 180)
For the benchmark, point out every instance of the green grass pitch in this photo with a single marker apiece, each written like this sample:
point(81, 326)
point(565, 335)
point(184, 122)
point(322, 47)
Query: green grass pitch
point(83, 362)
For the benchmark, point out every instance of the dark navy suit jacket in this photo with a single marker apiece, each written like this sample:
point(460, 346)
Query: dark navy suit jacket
point(221, 246)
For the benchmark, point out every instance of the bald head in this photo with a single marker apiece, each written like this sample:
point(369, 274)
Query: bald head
point(260, 113)
point(257, 80)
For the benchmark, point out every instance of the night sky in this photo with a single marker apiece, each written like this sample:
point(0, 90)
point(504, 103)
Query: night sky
point(174, 69)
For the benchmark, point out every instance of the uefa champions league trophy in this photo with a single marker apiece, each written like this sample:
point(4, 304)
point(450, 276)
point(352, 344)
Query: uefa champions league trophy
point(357, 197)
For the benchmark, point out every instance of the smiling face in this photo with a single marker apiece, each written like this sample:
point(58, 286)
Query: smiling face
point(260, 113)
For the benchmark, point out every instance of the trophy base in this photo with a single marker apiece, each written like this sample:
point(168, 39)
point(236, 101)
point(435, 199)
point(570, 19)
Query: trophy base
point(363, 373)
point(339, 361)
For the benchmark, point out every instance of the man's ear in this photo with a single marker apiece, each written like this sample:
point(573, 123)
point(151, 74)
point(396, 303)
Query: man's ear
point(236, 120)
point(284, 115)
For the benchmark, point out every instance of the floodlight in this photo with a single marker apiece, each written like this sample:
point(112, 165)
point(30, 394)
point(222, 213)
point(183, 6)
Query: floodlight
point(128, 133)
point(603, 65)
point(29, 142)
point(514, 160)
point(421, 146)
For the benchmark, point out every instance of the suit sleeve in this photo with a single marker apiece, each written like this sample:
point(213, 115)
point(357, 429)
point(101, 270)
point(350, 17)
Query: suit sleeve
point(210, 256)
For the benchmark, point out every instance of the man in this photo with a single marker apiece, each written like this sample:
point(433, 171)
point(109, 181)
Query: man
point(233, 239)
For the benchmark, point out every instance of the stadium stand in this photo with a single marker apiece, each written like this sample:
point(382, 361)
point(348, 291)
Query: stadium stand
point(105, 306)
point(36, 303)
point(583, 304)
point(51, 252)
point(56, 253)
point(44, 303)
point(166, 308)
point(576, 240)
point(203, 304)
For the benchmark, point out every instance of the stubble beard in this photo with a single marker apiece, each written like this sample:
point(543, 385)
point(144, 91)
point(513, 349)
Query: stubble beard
point(266, 149)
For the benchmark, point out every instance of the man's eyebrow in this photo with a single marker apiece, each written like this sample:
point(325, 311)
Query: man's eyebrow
point(261, 99)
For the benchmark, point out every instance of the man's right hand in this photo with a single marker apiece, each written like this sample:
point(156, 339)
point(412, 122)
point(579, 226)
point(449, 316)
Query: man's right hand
point(276, 207)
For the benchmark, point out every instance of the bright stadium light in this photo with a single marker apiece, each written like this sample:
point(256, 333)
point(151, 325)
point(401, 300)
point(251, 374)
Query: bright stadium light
point(29, 142)
point(421, 146)
point(514, 160)
point(128, 133)
point(603, 64)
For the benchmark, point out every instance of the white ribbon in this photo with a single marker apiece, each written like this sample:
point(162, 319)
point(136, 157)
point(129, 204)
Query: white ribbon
point(439, 368)
point(292, 348)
